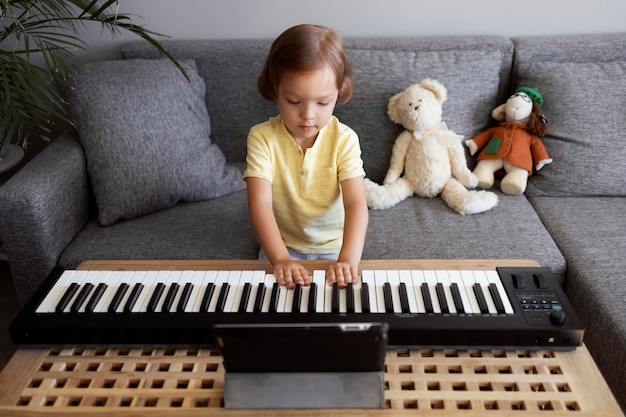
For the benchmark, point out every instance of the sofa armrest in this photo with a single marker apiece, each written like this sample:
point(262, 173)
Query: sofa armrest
point(42, 208)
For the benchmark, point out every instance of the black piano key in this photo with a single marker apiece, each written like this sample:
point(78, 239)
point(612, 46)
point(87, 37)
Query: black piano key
point(67, 296)
point(441, 296)
point(169, 298)
point(312, 298)
point(184, 297)
point(297, 298)
point(274, 298)
point(365, 298)
point(117, 297)
point(334, 304)
point(404, 298)
point(81, 297)
point(221, 300)
point(456, 296)
point(245, 297)
point(156, 296)
point(480, 297)
point(350, 298)
point(388, 297)
point(206, 298)
point(132, 298)
point(95, 297)
point(495, 296)
point(260, 296)
point(428, 303)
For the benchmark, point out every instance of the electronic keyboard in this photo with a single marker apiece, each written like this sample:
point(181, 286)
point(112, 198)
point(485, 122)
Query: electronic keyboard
point(507, 307)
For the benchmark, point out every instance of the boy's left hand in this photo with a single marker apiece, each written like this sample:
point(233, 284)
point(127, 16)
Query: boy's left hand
point(342, 273)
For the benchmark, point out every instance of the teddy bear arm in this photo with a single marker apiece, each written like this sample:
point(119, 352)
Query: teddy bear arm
point(398, 156)
point(459, 167)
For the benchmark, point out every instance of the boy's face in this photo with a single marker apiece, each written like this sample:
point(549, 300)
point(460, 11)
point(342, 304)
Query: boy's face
point(306, 102)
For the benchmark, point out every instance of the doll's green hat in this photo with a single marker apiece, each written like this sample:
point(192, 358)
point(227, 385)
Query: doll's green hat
point(533, 93)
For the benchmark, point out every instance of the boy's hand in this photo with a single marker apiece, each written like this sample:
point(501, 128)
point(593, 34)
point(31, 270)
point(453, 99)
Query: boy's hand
point(290, 273)
point(342, 273)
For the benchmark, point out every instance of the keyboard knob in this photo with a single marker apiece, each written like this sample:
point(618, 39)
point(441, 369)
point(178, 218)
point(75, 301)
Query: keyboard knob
point(557, 317)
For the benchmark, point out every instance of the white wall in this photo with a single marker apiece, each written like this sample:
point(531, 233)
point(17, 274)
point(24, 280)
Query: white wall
point(231, 19)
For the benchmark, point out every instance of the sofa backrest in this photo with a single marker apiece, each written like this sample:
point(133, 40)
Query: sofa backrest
point(474, 69)
point(583, 81)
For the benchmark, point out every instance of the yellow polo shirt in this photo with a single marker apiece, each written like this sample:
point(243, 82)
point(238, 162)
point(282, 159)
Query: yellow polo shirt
point(306, 190)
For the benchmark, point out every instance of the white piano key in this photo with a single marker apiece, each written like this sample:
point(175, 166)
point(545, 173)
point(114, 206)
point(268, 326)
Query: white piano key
point(468, 282)
point(304, 300)
point(257, 279)
point(288, 300)
point(237, 282)
point(357, 297)
point(444, 279)
point(418, 279)
point(319, 278)
point(367, 277)
point(481, 278)
point(393, 279)
point(455, 277)
point(380, 278)
point(234, 280)
point(430, 277)
point(200, 281)
point(405, 278)
point(269, 282)
point(112, 282)
point(143, 299)
point(51, 300)
point(343, 302)
point(493, 277)
point(328, 297)
point(220, 280)
point(282, 297)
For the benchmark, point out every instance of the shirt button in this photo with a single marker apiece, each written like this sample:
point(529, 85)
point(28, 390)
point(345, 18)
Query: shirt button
point(301, 172)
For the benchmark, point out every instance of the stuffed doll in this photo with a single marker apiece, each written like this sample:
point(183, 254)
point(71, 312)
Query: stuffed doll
point(513, 145)
point(427, 159)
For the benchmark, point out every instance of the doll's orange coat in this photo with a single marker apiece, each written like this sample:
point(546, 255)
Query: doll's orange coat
point(518, 146)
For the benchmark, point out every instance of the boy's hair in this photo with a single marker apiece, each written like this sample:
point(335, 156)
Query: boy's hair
point(304, 48)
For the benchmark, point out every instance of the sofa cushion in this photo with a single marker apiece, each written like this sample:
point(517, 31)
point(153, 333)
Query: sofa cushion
point(590, 232)
point(423, 228)
point(214, 229)
point(145, 131)
point(581, 140)
point(471, 78)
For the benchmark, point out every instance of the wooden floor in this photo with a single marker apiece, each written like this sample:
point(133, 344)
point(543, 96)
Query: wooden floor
point(9, 307)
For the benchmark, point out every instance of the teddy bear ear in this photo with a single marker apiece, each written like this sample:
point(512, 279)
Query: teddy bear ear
point(435, 87)
point(499, 113)
point(392, 108)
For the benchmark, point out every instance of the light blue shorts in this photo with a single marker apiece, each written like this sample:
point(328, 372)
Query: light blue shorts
point(297, 256)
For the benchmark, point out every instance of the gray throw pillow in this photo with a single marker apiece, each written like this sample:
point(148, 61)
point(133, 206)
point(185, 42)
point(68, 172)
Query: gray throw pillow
point(146, 134)
point(584, 105)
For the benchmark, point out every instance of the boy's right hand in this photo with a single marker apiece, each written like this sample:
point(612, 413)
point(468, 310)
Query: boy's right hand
point(290, 273)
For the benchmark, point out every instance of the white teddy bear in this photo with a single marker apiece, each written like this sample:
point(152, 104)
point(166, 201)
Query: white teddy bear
point(430, 156)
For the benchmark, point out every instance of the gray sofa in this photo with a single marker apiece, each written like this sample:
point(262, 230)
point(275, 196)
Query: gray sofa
point(74, 201)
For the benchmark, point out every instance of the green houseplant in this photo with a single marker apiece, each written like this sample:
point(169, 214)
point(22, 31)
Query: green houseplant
point(38, 44)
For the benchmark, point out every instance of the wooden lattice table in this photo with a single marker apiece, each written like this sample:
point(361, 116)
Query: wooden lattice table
point(189, 381)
